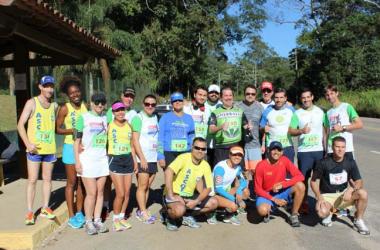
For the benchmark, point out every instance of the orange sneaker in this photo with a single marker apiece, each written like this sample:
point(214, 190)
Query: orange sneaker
point(47, 213)
point(29, 218)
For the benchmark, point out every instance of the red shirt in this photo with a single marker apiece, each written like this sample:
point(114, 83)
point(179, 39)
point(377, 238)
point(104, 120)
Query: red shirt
point(268, 174)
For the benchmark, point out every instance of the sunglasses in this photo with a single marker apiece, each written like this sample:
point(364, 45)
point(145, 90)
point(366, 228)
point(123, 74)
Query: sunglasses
point(199, 148)
point(213, 92)
point(147, 104)
point(129, 96)
point(266, 91)
point(177, 101)
point(251, 94)
point(100, 102)
point(237, 154)
point(120, 109)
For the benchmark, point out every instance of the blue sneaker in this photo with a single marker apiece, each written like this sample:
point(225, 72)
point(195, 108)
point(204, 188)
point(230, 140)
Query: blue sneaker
point(80, 218)
point(74, 223)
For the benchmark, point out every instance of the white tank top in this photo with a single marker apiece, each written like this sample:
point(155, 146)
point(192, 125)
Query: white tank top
point(148, 136)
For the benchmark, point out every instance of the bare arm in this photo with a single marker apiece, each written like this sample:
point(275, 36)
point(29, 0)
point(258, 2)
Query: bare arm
point(169, 174)
point(138, 150)
point(356, 124)
point(77, 144)
point(24, 117)
point(62, 113)
point(314, 184)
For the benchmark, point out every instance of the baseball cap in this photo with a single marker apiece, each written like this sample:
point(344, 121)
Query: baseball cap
point(176, 96)
point(99, 97)
point(275, 144)
point(129, 90)
point(266, 85)
point(214, 87)
point(236, 150)
point(47, 79)
point(118, 105)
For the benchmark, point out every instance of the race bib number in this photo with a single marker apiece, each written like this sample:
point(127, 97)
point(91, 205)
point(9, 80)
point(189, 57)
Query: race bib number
point(283, 139)
point(200, 130)
point(310, 140)
point(121, 149)
point(99, 141)
point(179, 145)
point(338, 179)
point(44, 136)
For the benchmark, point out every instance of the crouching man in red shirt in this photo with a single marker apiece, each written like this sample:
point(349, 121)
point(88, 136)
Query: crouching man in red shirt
point(274, 189)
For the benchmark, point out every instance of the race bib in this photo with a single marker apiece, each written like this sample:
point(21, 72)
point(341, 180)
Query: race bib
point(44, 136)
point(283, 139)
point(179, 145)
point(201, 130)
point(310, 140)
point(338, 179)
point(99, 141)
point(121, 149)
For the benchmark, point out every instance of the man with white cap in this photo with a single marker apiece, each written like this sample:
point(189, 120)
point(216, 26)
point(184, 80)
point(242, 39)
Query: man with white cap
point(272, 187)
point(175, 133)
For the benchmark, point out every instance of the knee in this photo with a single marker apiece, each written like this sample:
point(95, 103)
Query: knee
point(71, 182)
point(120, 195)
point(363, 195)
point(32, 181)
point(233, 207)
point(263, 210)
point(212, 203)
point(299, 187)
point(91, 194)
point(246, 193)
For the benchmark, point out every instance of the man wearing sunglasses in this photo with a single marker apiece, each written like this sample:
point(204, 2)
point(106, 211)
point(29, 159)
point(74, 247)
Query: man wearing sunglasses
point(272, 187)
point(231, 186)
point(188, 183)
point(267, 94)
point(253, 111)
point(175, 132)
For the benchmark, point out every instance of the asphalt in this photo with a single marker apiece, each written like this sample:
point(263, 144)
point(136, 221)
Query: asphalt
point(276, 234)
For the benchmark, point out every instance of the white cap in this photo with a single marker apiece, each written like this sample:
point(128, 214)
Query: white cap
point(214, 87)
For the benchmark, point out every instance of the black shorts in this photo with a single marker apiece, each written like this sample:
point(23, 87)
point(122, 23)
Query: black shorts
point(170, 156)
point(152, 168)
point(201, 205)
point(120, 164)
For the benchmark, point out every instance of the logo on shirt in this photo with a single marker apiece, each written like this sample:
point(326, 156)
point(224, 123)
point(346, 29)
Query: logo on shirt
point(269, 173)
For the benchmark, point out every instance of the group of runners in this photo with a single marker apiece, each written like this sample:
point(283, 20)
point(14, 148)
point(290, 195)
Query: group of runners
point(212, 149)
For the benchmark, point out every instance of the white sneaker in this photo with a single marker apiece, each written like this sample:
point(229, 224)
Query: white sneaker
point(360, 225)
point(327, 222)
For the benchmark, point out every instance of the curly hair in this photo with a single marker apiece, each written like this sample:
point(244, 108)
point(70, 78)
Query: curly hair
point(69, 81)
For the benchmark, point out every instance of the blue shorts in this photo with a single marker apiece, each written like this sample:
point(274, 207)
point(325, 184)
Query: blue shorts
point(283, 194)
point(41, 158)
point(289, 153)
point(307, 161)
point(252, 154)
point(68, 154)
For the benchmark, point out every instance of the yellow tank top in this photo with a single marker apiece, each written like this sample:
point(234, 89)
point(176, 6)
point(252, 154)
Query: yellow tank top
point(71, 119)
point(41, 128)
point(119, 139)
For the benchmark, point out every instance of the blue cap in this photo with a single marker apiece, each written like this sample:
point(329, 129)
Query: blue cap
point(46, 80)
point(275, 144)
point(176, 96)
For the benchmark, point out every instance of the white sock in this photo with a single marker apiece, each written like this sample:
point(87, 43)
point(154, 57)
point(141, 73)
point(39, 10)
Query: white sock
point(115, 217)
point(121, 216)
point(97, 220)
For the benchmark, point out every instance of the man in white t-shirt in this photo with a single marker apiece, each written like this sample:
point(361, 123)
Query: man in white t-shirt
point(341, 120)
point(267, 94)
point(307, 124)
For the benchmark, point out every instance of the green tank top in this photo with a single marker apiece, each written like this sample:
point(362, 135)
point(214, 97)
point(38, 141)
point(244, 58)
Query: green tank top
point(233, 117)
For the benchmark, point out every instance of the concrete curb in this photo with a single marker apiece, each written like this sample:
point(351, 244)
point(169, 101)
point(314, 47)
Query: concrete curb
point(31, 237)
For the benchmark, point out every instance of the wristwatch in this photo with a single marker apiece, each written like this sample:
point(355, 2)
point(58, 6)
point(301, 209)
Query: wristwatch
point(344, 128)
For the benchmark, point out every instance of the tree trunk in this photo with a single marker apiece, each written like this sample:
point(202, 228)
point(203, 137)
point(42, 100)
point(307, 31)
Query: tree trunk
point(106, 75)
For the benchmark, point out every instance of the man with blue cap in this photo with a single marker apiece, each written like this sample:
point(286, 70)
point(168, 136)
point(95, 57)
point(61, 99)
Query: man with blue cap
point(274, 189)
point(176, 132)
point(39, 139)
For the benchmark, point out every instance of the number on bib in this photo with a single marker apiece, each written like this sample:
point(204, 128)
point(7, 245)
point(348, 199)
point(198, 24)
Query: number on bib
point(99, 141)
point(179, 145)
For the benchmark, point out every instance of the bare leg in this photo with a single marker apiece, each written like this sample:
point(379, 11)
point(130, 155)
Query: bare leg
point(361, 198)
point(117, 181)
point(298, 190)
point(99, 196)
point(89, 201)
point(47, 170)
point(71, 176)
point(142, 190)
point(127, 181)
point(79, 195)
point(33, 170)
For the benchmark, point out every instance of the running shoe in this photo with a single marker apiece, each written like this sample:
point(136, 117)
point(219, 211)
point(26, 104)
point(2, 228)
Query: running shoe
point(145, 217)
point(80, 217)
point(47, 213)
point(232, 219)
point(171, 224)
point(327, 222)
point(342, 213)
point(211, 220)
point(241, 210)
point(190, 222)
point(294, 220)
point(125, 224)
point(29, 218)
point(117, 226)
point(90, 228)
point(74, 223)
point(100, 227)
point(266, 218)
point(361, 227)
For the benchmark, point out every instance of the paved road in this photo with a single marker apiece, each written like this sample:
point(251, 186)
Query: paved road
point(251, 234)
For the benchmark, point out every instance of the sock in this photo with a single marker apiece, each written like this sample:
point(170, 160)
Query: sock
point(115, 217)
point(88, 221)
point(97, 220)
point(121, 216)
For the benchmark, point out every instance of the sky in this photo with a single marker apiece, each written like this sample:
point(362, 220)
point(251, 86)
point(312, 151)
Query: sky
point(280, 37)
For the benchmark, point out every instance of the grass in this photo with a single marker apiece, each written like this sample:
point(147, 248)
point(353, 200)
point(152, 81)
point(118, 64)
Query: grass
point(8, 121)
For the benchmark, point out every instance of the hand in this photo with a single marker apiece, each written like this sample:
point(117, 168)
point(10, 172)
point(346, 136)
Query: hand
point(263, 148)
point(306, 129)
point(225, 126)
point(337, 128)
point(135, 167)
point(267, 128)
point(31, 148)
point(248, 126)
point(144, 164)
point(80, 148)
point(78, 168)
point(277, 187)
point(280, 202)
point(191, 204)
point(162, 163)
